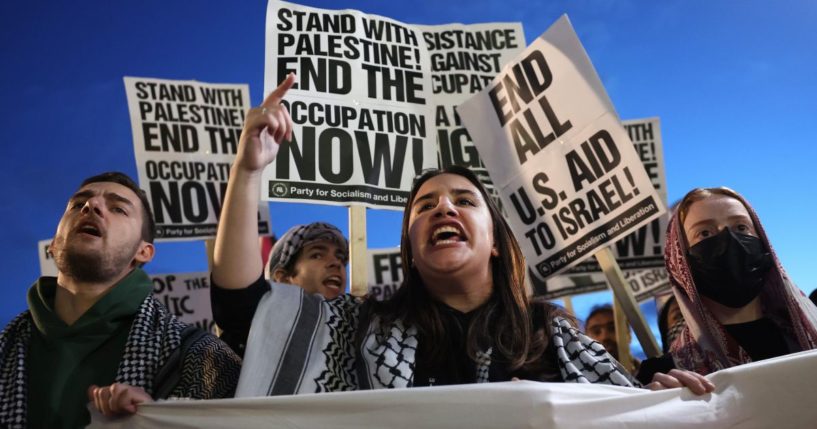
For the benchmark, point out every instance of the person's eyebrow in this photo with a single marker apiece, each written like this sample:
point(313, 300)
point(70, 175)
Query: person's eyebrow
point(82, 194)
point(740, 217)
point(700, 222)
point(318, 246)
point(465, 191)
point(424, 197)
point(113, 196)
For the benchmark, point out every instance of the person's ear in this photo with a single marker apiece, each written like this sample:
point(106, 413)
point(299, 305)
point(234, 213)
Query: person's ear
point(281, 276)
point(144, 253)
point(50, 249)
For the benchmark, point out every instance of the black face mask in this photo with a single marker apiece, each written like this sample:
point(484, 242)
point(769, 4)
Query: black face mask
point(729, 268)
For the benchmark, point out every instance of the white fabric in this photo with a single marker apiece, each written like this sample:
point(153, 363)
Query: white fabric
point(777, 393)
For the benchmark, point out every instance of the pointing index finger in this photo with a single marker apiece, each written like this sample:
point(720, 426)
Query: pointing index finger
point(278, 94)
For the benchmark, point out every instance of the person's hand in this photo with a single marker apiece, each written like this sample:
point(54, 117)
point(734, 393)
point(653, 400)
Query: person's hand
point(697, 383)
point(264, 128)
point(117, 399)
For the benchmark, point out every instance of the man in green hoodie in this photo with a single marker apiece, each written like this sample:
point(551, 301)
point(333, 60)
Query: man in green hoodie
point(97, 323)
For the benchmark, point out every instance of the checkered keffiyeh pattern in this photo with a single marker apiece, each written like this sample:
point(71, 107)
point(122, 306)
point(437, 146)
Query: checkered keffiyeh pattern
point(299, 236)
point(582, 360)
point(209, 369)
point(391, 356)
point(484, 364)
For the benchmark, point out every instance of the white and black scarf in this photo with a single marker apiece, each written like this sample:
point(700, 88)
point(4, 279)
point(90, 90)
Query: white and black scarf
point(208, 369)
point(301, 343)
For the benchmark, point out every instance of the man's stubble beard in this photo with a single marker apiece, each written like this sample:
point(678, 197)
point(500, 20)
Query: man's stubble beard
point(93, 266)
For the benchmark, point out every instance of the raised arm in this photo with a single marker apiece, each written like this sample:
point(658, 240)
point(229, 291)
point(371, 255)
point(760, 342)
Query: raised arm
point(237, 259)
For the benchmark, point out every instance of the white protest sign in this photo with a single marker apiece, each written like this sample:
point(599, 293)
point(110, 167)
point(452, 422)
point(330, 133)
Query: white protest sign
point(187, 296)
point(359, 105)
point(185, 136)
point(645, 283)
point(464, 60)
point(385, 272)
point(47, 266)
point(641, 253)
point(566, 170)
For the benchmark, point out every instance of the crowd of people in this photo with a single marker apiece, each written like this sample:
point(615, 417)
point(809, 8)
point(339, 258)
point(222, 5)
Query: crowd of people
point(462, 314)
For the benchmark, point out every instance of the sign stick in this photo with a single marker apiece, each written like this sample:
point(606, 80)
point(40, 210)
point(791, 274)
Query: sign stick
point(622, 336)
point(357, 250)
point(210, 248)
point(568, 301)
point(624, 296)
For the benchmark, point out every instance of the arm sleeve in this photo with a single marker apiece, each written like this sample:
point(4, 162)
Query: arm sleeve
point(233, 311)
point(210, 370)
point(651, 366)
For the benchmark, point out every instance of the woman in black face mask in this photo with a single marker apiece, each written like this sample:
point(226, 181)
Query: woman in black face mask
point(737, 301)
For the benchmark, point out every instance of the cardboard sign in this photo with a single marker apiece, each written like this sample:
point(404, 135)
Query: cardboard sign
point(566, 170)
point(359, 105)
point(185, 136)
point(385, 272)
point(641, 253)
point(464, 60)
point(187, 296)
point(371, 99)
point(47, 266)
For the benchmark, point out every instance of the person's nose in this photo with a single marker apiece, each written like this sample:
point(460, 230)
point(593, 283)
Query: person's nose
point(92, 204)
point(445, 207)
point(335, 261)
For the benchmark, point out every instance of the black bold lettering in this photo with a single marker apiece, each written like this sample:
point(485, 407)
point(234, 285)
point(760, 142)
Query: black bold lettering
point(371, 165)
point(344, 142)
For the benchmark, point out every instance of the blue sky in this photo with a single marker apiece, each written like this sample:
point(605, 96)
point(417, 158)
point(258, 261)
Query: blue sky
point(733, 83)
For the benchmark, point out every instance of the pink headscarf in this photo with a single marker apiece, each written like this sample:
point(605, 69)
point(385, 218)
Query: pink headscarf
point(704, 346)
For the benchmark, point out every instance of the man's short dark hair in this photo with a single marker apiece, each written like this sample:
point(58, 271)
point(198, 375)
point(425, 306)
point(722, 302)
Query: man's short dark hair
point(603, 308)
point(148, 224)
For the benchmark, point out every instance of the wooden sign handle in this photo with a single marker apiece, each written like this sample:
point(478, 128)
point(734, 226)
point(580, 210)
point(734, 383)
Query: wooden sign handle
point(624, 296)
point(357, 250)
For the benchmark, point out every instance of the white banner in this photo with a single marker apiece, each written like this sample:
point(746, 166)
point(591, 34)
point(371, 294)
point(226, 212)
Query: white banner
point(185, 136)
point(776, 393)
point(385, 272)
point(567, 172)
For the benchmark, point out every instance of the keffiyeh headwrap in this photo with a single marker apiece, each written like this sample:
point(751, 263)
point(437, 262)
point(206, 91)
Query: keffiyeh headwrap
point(704, 346)
point(288, 246)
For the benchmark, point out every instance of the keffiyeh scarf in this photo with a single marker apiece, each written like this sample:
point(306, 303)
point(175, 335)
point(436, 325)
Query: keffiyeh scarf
point(704, 346)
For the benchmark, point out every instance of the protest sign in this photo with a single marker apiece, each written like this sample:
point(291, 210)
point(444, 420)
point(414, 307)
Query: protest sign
point(187, 296)
point(185, 136)
point(359, 105)
point(385, 272)
point(570, 178)
point(645, 283)
point(47, 266)
point(643, 248)
point(464, 60)
point(641, 253)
